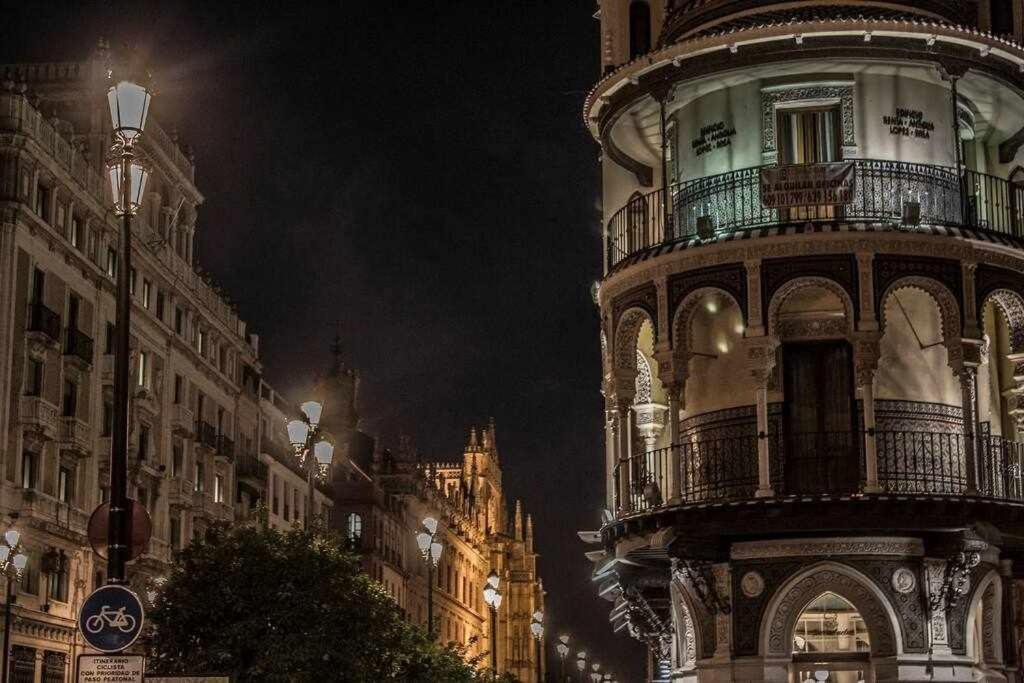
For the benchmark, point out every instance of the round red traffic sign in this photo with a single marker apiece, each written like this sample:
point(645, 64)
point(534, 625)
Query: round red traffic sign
point(139, 522)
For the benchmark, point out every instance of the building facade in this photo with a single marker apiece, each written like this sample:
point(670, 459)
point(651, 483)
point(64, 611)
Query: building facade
point(207, 441)
point(381, 500)
point(812, 335)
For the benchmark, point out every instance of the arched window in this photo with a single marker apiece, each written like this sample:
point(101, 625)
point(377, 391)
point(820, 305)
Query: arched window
point(354, 529)
point(830, 624)
point(639, 29)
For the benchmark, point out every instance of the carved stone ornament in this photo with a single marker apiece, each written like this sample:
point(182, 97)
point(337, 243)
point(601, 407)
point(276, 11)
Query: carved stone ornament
point(824, 546)
point(903, 580)
point(752, 584)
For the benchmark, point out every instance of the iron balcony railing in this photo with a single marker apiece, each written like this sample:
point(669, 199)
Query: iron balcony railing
point(225, 446)
point(42, 319)
point(207, 434)
point(711, 470)
point(730, 202)
point(79, 345)
point(249, 466)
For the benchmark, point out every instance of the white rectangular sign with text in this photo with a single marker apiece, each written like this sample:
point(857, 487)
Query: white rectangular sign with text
point(111, 668)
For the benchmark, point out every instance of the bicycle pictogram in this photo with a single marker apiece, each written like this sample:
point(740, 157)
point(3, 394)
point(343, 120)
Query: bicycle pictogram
point(113, 618)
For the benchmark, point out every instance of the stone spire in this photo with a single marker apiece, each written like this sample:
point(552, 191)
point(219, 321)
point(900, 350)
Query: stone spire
point(519, 521)
point(529, 533)
point(473, 444)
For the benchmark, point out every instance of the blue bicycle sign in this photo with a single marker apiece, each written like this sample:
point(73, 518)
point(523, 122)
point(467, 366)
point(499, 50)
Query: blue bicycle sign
point(111, 618)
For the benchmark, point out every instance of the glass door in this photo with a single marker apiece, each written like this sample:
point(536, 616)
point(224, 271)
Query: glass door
point(808, 136)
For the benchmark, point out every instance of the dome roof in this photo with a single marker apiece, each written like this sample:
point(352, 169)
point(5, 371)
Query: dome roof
point(696, 18)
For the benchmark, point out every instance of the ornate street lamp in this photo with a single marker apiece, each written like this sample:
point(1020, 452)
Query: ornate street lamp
point(129, 106)
point(537, 629)
point(562, 648)
point(581, 663)
point(492, 596)
point(315, 453)
point(12, 564)
point(430, 549)
point(595, 672)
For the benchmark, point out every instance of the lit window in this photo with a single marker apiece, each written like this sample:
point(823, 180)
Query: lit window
point(355, 528)
point(65, 479)
point(147, 290)
point(143, 370)
point(200, 485)
point(28, 470)
point(218, 488)
point(111, 263)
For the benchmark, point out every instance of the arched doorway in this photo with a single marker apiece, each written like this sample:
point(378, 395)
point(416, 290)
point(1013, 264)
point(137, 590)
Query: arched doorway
point(831, 642)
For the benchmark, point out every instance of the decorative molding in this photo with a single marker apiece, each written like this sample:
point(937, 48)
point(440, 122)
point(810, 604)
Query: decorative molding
point(796, 596)
point(813, 547)
point(752, 584)
point(842, 94)
point(840, 269)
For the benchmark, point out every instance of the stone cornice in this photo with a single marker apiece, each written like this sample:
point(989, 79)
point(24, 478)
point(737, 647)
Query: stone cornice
point(816, 547)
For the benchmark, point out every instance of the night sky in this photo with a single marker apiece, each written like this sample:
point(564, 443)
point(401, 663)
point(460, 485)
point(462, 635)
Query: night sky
point(416, 175)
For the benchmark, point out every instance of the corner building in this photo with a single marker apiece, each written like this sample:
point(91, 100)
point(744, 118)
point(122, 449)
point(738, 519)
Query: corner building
point(812, 332)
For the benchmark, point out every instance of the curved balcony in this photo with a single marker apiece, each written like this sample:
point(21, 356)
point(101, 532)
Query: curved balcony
point(881, 192)
point(723, 470)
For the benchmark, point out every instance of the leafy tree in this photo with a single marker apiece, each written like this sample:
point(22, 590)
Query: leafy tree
point(293, 606)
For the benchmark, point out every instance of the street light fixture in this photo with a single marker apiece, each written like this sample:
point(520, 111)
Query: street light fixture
point(595, 672)
point(537, 629)
point(12, 564)
point(430, 549)
point(315, 453)
point(563, 651)
point(581, 663)
point(492, 596)
point(129, 106)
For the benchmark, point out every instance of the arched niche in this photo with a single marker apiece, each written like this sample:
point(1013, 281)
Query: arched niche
point(708, 333)
point(627, 334)
point(809, 308)
point(791, 599)
point(984, 626)
point(919, 348)
point(996, 402)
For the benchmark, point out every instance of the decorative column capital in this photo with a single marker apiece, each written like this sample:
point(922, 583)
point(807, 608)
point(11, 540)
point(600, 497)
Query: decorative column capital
point(761, 358)
point(866, 352)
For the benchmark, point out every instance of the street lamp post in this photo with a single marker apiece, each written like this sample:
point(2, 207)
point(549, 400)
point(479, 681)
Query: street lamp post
point(12, 564)
point(492, 596)
point(315, 453)
point(430, 549)
point(537, 628)
point(129, 106)
point(595, 672)
point(563, 651)
point(581, 663)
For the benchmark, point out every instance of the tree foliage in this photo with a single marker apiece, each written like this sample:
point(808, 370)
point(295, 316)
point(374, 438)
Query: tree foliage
point(264, 605)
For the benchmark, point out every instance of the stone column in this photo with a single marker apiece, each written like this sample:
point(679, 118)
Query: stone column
point(938, 634)
point(967, 371)
point(675, 489)
point(624, 447)
point(761, 362)
point(611, 422)
point(866, 353)
point(723, 619)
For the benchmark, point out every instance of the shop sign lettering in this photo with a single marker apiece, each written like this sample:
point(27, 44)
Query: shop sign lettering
point(713, 136)
point(909, 123)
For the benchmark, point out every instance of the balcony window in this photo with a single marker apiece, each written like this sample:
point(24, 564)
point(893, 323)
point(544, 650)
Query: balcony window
point(218, 488)
point(179, 382)
point(177, 460)
point(108, 419)
point(175, 532)
point(94, 247)
point(108, 339)
point(179, 321)
point(65, 484)
point(43, 194)
point(34, 377)
point(75, 233)
point(142, 371)
point(147, 291)
point(70, 399)
point(144, 438)
point(354, 529)
point(57, 578)
point(201, 341)
point(28, 470)
point(160, 305)
point(133, 275)
point(61, 215)
point(111, 263)
point(200, 476)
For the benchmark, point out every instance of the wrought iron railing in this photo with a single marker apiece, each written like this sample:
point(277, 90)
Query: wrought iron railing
point(248, 465)
point(206, 434)
point(921, 462)
point(702, 470)
point(225, 446)
point(882, 190)
point(79, 345)
point(42, 319)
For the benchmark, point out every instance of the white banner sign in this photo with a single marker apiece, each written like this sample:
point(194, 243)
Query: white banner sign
point(111, 668)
